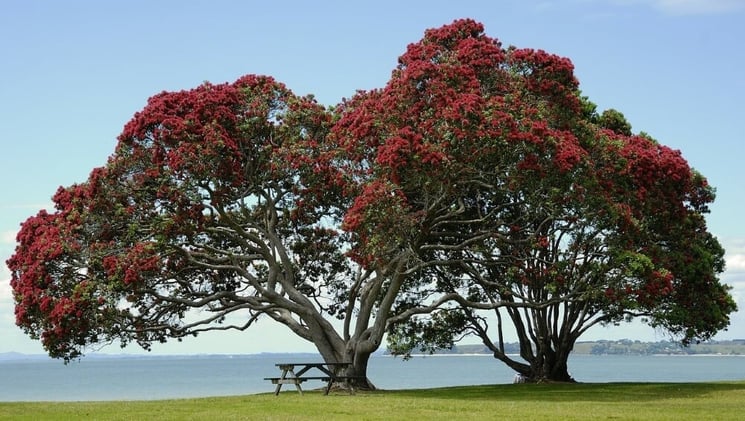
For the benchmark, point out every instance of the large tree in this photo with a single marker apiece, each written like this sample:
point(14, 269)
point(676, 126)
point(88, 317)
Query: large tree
point(521, 204)
point(220, 205)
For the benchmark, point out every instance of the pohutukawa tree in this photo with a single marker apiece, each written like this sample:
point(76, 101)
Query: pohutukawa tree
point(523, 207)
point(217, 207)
point(477, 187)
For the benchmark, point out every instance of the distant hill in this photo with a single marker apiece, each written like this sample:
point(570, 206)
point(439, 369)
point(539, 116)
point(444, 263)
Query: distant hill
point(601, 347)
point(620, 347)
point(5, 356)
point(629, 347)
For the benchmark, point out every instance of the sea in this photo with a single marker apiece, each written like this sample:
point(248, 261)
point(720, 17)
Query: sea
point(126, 377)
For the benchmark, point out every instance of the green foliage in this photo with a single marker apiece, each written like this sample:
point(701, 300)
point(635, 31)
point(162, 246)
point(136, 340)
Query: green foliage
point(426, 335)
point(614, 120)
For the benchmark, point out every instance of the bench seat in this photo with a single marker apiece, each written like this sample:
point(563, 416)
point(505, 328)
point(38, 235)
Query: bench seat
point(294, 380)
point(291, 380)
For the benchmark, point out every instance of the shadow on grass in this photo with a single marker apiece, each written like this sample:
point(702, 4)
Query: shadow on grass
point(588, 392)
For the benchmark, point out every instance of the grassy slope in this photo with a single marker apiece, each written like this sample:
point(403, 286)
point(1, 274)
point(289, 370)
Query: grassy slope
point(643, 401)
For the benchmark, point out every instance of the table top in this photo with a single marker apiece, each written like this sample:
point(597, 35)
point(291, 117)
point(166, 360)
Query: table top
point(316, 364)
point(328, 369)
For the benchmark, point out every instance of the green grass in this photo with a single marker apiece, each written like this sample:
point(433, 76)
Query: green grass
point(602, 401)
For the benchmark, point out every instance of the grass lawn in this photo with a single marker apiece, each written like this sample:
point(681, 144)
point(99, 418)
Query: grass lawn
point(617, 401)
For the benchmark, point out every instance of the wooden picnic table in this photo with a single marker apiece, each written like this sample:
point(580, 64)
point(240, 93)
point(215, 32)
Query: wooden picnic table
point(298, 374)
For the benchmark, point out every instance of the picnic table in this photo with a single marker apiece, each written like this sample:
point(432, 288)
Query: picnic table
point(296, 373)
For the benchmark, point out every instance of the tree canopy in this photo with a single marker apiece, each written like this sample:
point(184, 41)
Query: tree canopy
point(191, 211)
point(477, 187)
point(523, 200)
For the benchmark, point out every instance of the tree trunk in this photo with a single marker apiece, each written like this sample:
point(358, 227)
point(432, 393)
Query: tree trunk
point(543, 359)
point(358, 370)
point(549, 370)
point(548, 365)
point(351, 351)
point(357, 347)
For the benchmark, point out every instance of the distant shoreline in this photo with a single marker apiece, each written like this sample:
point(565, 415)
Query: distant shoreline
point(602, 347)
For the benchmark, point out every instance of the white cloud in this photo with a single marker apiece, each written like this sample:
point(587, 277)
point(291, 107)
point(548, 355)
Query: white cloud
point(679, 7)
point(736, 262)
point(6, 297)
point(4, 281)
point(734, 276)
point(734, 273)
point(696, 7)
point(734, 254)
point(8, 237)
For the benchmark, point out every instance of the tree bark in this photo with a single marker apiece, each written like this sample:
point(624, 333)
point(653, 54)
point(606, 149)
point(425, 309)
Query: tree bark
point(544, 359)
point(358, 371)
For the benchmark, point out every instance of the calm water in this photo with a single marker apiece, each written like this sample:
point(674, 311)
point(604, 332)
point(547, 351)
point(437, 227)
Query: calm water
point(193, 376)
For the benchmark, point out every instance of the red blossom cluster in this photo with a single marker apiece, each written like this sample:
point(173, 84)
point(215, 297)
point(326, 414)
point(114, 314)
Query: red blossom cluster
point(459, 104)
point(200, 131)
point(55, 301)
point(141, 259)
point(547, 75)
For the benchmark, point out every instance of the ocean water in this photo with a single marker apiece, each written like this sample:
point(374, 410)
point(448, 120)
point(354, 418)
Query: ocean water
point(128, 378)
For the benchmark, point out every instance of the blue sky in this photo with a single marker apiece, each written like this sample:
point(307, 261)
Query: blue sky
point(74, 72)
